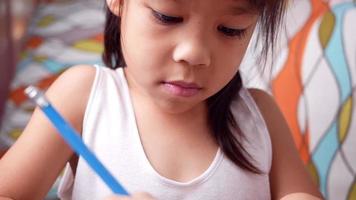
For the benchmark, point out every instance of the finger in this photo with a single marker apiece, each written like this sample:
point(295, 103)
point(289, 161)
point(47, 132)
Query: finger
point(117, 198)
point(142, 196)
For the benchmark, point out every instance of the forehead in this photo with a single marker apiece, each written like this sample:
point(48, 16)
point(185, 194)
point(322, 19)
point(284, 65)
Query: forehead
point(220, 1)
point(240, 6)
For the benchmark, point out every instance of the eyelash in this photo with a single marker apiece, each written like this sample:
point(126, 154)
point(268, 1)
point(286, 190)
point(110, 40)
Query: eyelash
point(169, 20)
point(240, 33)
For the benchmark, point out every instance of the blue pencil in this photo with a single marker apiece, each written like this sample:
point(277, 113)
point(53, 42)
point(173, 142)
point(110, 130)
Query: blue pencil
point(73, 139)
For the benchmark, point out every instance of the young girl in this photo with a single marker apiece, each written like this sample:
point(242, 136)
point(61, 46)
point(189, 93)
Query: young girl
point(169, 116)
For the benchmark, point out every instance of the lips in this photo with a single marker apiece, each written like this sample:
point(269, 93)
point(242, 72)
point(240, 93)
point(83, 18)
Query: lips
point(184, 84)
point(181, 88)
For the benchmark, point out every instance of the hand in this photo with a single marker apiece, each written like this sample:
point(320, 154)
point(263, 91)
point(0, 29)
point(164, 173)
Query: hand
point(135, 196)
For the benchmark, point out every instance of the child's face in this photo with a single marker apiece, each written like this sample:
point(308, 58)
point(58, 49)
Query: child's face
point(180, 52)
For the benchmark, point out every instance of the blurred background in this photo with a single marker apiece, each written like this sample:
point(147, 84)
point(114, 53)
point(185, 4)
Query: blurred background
point(312, 76)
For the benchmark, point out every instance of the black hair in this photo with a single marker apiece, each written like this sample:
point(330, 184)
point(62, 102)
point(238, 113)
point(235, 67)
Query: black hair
point(220, 117)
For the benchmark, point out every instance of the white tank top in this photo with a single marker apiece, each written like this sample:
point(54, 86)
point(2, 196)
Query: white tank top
point(110, 131)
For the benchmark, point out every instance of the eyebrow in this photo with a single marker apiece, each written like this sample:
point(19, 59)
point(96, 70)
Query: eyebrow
point(238, 10)
point(242, 9)
point(174, 1)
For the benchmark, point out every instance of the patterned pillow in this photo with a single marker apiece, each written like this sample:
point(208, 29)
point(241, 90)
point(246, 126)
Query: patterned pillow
point(313, 81)
point(61, 34)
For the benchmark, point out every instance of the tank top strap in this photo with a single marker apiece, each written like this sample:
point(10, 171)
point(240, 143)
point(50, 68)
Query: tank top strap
point(256, 138)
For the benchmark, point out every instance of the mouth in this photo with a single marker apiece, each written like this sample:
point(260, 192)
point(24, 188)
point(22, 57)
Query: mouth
point(181, 88)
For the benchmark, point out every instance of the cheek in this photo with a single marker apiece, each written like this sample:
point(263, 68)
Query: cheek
point(227, 65)
point(141, 43)
point(224, 75)
point(222, 72)
point(230, 52)
point(228, 60)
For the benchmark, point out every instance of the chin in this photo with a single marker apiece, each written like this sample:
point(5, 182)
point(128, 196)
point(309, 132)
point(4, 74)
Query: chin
point(176, 106)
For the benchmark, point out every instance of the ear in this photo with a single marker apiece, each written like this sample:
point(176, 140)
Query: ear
point(115, 6)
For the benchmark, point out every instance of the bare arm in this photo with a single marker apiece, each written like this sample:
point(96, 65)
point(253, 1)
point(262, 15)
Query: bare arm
point(289, 178)
point(30, 167)
point(5, 198)
point(135, 196)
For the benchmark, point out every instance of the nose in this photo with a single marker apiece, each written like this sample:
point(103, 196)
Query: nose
point(193, 50)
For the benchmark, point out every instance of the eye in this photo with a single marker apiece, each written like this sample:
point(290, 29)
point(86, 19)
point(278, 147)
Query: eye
point(240, 33)
point(166, 19)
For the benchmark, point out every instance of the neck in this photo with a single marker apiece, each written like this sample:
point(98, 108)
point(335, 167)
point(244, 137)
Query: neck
point(153, 118)
point(158, 117)
point(189, 117)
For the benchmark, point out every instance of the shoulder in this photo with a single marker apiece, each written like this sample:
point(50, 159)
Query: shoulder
point(70, 92)
point(72, 84)
point(273, 117)
point(40, 141)
point(286, 163)
point(262, 99)
point(271, 114)
point(270, 111)
point(76, 77)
